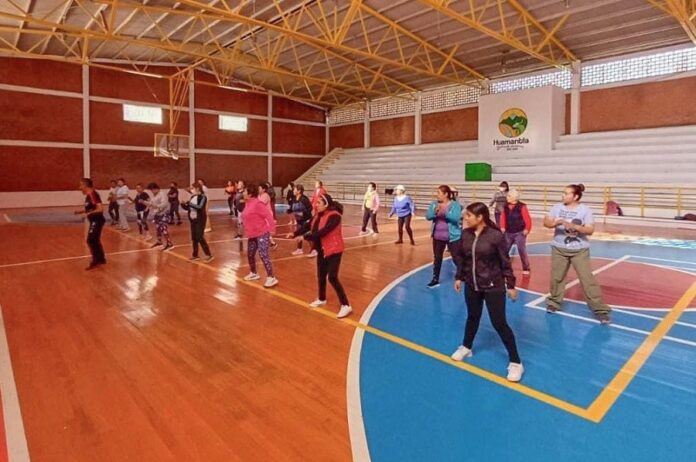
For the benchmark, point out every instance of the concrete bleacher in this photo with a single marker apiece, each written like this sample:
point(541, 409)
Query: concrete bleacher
point(650, 172)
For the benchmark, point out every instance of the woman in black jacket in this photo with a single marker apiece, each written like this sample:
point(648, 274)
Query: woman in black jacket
point(197, 213)
point(484, 266)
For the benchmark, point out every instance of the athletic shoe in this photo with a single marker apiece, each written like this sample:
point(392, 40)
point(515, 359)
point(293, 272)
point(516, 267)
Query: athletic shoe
point(344, 311)
point(156, 244)
point(552, 309)
point(604, 318)
point(461, 352)
point(317, 303)
point(398, 242)
point(167, 247)
point(252, 277)
point(298, 252)
point(92, 266)
point(274, 245)
point(270, 282)
point(194, 258)
point(207, 230)
point(434, 283)
point(363, 233)
point(208, 259)
point(413, 242)
point(238, 237)
point(375, 234)
point(312, 254)
point(525, 272)
point(515, 372)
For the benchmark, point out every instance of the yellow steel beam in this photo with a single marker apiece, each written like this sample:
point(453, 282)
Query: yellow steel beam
point(347, 92)
point(549, 49)
point(204, 19)
point(684, 11)
point(321, 40)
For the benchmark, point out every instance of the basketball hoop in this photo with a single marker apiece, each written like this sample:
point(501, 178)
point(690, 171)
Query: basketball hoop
point(171, 145)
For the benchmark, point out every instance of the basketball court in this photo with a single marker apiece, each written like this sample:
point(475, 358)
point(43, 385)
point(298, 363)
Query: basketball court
point(154, 357)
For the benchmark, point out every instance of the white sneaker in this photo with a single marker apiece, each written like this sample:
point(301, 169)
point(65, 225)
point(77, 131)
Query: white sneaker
point(461, 353)
point(312, 254)
point(363, 233)
point(515, 372)
point(344, 311)
point(252, 277)
point(298, 252)
point(526, 273)
point(317, 303)
point(270, 282)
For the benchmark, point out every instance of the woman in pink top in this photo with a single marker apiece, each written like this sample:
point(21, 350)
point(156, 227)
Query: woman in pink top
point(258, 226)
point(265, 197)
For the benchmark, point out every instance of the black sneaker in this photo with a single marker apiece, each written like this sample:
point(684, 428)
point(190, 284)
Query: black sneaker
point(167, 247)
point(399, 242)
point(91, 266)
point(434, 283)
point(604, 318)
point(552, 309)
point(156, 244)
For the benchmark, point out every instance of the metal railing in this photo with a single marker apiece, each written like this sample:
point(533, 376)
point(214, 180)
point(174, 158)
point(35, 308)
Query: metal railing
point(654, 201)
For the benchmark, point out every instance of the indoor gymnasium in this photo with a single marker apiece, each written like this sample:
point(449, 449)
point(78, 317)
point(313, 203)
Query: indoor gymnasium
point(335, 230)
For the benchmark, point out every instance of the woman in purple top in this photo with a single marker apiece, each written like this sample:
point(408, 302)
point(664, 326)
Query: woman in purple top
point(446, 215)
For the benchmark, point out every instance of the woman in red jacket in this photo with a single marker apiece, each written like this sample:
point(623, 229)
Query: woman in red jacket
point(327, 236)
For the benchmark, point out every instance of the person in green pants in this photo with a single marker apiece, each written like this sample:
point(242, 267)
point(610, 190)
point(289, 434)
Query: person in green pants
point(572, 223)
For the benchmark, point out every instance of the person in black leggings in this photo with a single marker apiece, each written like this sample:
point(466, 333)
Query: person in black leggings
point(196, 208)
point(484, 265)
point(94, 212)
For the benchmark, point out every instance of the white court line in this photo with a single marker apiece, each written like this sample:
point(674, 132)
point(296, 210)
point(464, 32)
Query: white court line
point(51, 260)
point(575, 282)
point(356, 424)
point(664, 259)
point(615, 326)
point(17, 449)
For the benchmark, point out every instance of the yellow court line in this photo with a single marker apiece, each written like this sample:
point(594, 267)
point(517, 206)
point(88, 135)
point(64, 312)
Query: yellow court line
point(523, 389)
point(606, 399)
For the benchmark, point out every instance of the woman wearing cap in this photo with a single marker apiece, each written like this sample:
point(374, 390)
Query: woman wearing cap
point(326, 234)
point(404, 208)
point(516, 224)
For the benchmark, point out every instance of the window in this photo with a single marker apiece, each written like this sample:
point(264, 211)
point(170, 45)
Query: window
point(558, 78)
point(641, 67)
point(449, 97)
point(232, 123)
point(142, 114)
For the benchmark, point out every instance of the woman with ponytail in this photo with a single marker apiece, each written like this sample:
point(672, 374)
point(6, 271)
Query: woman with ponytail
point(445, 213)
point(327, 236)
point(572, 223)
point(485, 268)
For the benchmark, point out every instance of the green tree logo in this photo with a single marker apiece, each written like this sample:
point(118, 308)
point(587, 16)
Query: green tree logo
point(513, 123)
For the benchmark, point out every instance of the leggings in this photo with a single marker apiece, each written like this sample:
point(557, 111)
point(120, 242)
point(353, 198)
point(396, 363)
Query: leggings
point(113, 211)
point(198, 236)
point(328, 267)
point(407, 221)
point(142, 220)
point(174, 210)
point(367, 215)
point(262, 245)
point(94, 240)
point(495, 302)
point(438, 252)
point(162, 225)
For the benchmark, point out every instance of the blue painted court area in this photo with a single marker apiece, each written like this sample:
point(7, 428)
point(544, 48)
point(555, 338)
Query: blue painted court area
point(416, 407)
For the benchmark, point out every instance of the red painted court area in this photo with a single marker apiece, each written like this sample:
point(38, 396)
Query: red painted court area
point(627, 283)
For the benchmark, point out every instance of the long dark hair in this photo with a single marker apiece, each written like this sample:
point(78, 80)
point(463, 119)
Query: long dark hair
point(481, 209)
point(332, 204)
point(447, 190)
point(578, 189)
point(504, 184)
point(252, 190)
